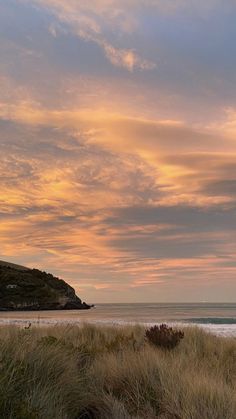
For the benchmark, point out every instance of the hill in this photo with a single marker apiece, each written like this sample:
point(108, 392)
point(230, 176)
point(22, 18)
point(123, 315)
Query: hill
point(22, 288)
point(13, 265)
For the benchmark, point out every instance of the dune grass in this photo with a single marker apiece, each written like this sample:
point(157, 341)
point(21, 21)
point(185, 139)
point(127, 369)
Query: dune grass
point(113, 373)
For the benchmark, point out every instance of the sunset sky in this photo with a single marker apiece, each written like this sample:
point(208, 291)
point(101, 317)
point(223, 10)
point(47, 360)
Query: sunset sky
point(118, 145)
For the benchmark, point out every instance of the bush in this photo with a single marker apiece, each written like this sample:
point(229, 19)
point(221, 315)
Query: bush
point(164, 336)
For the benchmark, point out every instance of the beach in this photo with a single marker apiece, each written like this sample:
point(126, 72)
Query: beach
point(217, 318)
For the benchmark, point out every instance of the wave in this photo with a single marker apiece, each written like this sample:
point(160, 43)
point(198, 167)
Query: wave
point(225, 327)
point(211, 320)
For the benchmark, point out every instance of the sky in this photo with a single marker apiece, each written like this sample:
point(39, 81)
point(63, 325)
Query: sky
point(118, 146)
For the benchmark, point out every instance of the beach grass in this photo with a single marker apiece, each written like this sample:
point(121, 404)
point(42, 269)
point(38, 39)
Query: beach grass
point(111, 372)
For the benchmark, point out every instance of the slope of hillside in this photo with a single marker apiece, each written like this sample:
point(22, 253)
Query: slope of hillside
point(31, 289)
point(13, 265)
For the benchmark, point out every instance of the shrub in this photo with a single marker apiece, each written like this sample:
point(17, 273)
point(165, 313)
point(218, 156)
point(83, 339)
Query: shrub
point(164, 336)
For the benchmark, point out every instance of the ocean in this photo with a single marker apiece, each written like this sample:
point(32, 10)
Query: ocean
point(217, 318)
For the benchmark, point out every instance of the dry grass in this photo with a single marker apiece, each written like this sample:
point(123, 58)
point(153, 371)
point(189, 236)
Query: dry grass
point(112, 372)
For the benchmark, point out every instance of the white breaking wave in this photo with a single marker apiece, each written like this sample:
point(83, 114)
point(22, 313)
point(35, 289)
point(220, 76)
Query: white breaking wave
point(226, 330)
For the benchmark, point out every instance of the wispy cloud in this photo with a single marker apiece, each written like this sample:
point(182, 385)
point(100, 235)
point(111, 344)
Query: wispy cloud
point(117, 145)
point(88, 20)
point(184, 159)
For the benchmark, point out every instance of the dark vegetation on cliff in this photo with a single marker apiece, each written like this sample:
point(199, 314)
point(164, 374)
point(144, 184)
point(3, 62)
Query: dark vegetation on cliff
point(31, 289)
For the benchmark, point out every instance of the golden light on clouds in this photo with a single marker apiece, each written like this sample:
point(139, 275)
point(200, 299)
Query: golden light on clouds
point(118, 151)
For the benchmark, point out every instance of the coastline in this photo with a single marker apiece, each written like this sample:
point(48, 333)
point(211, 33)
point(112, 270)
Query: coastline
point(219, 319)
point(223, 330)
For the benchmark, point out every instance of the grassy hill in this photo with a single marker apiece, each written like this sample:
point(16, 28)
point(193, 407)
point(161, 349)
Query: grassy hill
point(22, 288)
point(106, 372)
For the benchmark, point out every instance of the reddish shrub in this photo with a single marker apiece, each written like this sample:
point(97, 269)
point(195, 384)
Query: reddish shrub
point(164, 336)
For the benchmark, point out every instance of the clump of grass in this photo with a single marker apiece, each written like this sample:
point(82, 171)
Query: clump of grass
point(164, 336)
point(113, 373)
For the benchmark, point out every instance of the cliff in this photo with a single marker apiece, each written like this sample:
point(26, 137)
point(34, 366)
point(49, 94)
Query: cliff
point(31, 289)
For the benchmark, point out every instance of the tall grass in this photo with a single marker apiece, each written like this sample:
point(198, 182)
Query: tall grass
point(113, 373)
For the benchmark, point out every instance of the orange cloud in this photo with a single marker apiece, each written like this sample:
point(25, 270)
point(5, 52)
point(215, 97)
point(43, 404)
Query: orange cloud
point(183, 160)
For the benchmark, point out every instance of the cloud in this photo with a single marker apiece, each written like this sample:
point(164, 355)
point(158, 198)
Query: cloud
point(121, 196)
point(85, 21)
point(122, 182)
point(183, 159)
point(126, 58)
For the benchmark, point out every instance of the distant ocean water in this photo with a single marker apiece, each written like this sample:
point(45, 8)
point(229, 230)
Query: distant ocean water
point(217, 318)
